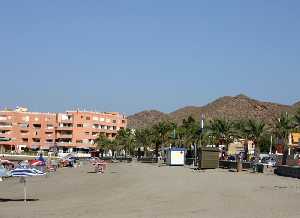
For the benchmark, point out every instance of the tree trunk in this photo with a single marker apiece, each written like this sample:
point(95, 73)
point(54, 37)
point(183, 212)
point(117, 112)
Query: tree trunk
point(257, 153)
point(285, 156)
point(239, 164)
point(156, 150)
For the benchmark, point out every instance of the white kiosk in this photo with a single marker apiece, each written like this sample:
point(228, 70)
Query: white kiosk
point(176, 156)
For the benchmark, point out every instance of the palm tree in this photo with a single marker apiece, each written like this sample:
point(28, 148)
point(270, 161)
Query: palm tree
point(144, 138)
point(160, 133)
point(282, 129)
point(297, 119)
point(192, 131)
point(104, 143)
point(222, 130)
point(254, 130)
point(125, 139)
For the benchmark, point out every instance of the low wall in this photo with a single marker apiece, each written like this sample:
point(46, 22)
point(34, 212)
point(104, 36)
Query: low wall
point(289, 171)
point(22, 157)
point(233, 164)
point(147, 160)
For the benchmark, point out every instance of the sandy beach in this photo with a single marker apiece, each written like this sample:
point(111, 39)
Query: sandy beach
point(145, 190)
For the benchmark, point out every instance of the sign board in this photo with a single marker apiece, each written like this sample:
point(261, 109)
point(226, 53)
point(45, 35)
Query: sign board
point(176, 157)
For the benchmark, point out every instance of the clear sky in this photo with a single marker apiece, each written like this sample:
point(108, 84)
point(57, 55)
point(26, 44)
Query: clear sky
point(133, 55)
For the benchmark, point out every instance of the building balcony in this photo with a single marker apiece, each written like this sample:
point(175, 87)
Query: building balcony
point(35, 145)
point(66, 121)
point(84, 145)
point(3, 135)
point(64, 136)
point(64, 128)
point(65, 144)
point(24, 127)
point(5, 126)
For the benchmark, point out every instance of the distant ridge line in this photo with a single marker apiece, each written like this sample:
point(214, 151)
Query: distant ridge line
point(230, 107)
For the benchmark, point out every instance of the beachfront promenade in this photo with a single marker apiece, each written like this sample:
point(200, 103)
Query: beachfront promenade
point(145, 190)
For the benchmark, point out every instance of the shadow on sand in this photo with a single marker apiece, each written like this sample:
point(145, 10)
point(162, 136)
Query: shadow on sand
point(17, 199)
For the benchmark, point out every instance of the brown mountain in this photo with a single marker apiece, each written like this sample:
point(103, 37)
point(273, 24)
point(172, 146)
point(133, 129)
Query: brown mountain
point(146, 119)
point(238, 107)
point(296, 105)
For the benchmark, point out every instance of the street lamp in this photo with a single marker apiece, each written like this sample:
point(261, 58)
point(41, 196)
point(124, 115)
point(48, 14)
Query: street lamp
point(200, 135)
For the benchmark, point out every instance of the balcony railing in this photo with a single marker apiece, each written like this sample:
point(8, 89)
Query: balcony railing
point(5, 126)
point(65, 144)
point(66, 121)
point(84, 145)
point(64, 128)
point(65, 136)
point(4, 134)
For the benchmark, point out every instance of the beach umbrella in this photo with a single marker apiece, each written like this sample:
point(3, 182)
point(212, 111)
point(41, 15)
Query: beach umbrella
point(6, 162)
point(37, 163)
point(23, 173)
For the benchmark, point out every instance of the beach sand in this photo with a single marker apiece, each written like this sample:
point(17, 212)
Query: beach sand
point(145, 190)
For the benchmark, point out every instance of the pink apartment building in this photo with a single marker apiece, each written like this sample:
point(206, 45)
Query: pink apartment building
point(69, 131)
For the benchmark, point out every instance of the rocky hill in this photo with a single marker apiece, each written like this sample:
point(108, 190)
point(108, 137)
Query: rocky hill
point(237, 107)
point(296, 105)
point(146, 119)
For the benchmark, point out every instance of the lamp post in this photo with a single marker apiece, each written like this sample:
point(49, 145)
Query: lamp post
point(200, 140)
point(271, 145)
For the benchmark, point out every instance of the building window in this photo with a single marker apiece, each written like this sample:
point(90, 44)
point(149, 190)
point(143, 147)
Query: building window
point(96, 126)
point(24, 139)
point(78, 141)
point(79, 125)
point(108, 120)
point(49, 140)
point(123, 121)
point(36, 139)
point(95, 118)
point(24, 131)
point(102, 119)
point(88, 118)
point(114, 121)
point(37, 126)
point(5, 124)
point(87, 133)
point(85, 125)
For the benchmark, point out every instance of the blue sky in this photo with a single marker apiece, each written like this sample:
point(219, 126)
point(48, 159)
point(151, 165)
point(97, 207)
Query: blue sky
point(133, 55)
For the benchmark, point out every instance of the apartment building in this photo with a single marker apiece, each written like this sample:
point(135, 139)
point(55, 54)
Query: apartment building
point(69, 131)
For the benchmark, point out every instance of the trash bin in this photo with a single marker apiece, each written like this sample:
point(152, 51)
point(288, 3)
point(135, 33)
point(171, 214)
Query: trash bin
point(208, 158)
point(260, 168)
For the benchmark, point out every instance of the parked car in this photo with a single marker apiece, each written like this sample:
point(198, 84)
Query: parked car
point(269, 161)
